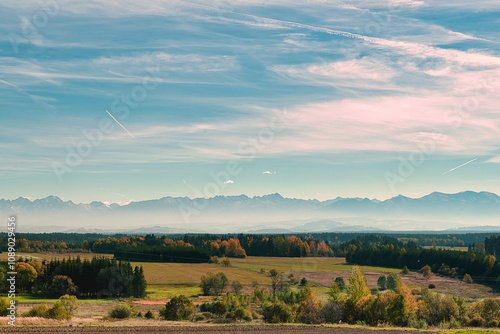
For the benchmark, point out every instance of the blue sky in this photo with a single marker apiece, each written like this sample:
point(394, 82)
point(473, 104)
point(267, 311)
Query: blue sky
point(311, 99)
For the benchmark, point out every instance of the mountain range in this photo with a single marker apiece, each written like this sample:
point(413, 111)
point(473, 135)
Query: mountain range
point(271, 211)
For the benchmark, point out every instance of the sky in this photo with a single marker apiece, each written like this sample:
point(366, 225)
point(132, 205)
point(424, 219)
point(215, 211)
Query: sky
point(119, 101)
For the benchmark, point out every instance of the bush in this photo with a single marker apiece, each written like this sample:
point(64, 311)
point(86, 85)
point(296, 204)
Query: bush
point(4, 304)
point(493, 323)
point(332, 313)
point(432, 286)
point(476, 321)
point(70, 303)
point(426, 271)
point(149, 315)
point(382, 283)
point(419, 324)
point(437, 308)
point(178, 308)
point(277, 313)
point(392, 281)
point(206, 307)
point(241, 313)
point(58, 312)
point(405, 271)
point(219, 308)
point(225, 262)
point(340, 282)
point(121, 311)
point(454, 323)
point(303, 281)
point(37, 311)
point(468, 279)
point(199, 317)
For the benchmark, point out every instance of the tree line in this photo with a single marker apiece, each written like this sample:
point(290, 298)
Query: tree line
point(481, 266)
point(95, 278)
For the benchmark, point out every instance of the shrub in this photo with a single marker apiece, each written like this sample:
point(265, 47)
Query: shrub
point(206, 307)
point(37, 311)
point(225, 262)
point(199, 317)
point(382, 282)
point(121, 311)
point(432, 286)
point(4, 304)
point(332, 312)
point(303, 281)
point(476, 321)
point(178, 308)
point(454, 323)
point(493, 323)
point(437, 308)
point(149, 315)
point(214, 259)
point(419, 324)
point(392, 281)
point(241, 313)
point(277, 313)
point(426, 271)
point(405, 271)
point(309, 309)
point(340, 282)
point(70, 303)
point(468, 279)
point(139, 315)
point(58, 312)
point(219, 308)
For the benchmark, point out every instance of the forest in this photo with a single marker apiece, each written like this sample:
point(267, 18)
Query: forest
point(95, 278)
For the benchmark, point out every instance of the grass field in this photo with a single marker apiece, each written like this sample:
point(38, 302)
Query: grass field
point(166, 280)
point(247, 270)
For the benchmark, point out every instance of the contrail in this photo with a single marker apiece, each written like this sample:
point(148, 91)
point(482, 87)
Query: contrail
point(468, 162)
point(120, 124)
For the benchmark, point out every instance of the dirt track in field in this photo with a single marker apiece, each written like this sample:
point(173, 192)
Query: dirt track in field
point(257, 329)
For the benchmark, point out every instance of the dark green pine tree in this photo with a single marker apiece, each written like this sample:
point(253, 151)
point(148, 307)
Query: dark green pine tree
point(139, 283)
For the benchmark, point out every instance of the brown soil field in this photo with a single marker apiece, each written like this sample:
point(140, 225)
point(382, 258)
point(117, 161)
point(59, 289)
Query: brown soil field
point(251, 329)
point(443, 284)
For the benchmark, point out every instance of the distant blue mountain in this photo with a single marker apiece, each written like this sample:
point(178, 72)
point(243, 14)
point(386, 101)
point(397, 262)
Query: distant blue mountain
point(435, 204)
